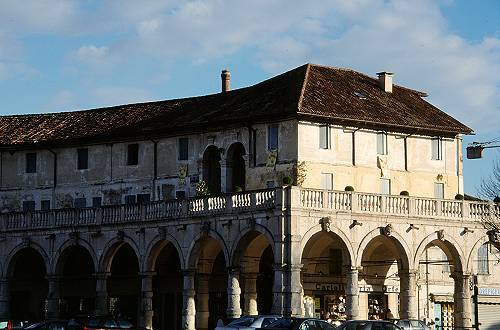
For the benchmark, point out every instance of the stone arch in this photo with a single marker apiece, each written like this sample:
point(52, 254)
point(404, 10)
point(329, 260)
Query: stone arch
point(154, 248)
point(450, 244)
point(400, 242)
point(110, 250)
point(333, 229)
point(63, 248)
point(237, 245)
point(235, 167)
point(196, 244)
point(474, 251)
point(38, 248)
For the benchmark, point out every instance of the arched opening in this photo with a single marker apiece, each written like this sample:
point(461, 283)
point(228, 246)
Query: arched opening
point(77, 283)
point(235, 168)
point(323, 276)
point(383, 260)
point(123, 284)
point(28, 285)
point(167, 289)
point(254, 256)
point(437, 266)
point(211, 169)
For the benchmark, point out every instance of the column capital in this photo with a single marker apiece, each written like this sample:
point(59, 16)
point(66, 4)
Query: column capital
point(350, 268)
point(188, 272)
point(233, 269)
point(278, 267)
point(53, 277)
point(147, 274)
point(296, 267)
point(101, 275)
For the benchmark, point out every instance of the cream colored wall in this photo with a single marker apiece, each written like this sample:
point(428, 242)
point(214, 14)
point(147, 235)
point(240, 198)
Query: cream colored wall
point(365, 175)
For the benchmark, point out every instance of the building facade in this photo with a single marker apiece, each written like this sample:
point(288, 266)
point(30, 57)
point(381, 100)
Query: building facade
point(319, 191)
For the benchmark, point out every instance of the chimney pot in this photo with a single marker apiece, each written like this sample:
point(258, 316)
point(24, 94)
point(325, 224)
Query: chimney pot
point(226, 80)
point(385, 81)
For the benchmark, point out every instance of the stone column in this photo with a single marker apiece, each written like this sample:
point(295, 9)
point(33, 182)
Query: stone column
point(352, 294)
point(408, 296)
point(202, 305)
point(462, 300)
point(146, 315)
point(251, 294)
point(4, 298)
point(295, 292)
point(101, 293)
point(53, 297)
point(278, 286)
point(189, 306)
point(233, 294)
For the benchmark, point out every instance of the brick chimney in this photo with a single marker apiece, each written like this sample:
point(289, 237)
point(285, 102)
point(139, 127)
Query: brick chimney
point(385, 81)
point(226, 80)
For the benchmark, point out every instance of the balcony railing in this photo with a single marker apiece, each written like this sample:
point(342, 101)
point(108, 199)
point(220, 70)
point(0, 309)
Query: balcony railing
point(396, 205)
point(351, 202)
point(159, 210)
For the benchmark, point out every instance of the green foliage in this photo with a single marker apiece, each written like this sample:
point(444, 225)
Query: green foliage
point(202, 189)
point(349, 188)
point(459, 197)
point(404, 193)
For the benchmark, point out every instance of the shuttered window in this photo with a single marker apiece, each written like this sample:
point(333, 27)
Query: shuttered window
point(385, 186)
point(272, 137)
point(439, 190)
point(327, 181)
point(324, 137)
point(482, 259)
point(382, 143)
point(437, 148)
point(31, 162)
point(183, 149)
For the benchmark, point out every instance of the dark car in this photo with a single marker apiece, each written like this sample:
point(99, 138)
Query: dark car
point(410, 324)
point(99, 322)
point(368, 325)
point(49, 325)
point(298, 323)
point(12, 324)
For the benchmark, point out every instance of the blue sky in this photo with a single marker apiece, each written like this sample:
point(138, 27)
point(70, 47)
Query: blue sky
point(60, 55)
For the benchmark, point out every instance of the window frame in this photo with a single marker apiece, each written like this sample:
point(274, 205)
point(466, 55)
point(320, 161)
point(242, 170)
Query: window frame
point(483, 266)
point(382, 186)
point(133, 154)
point(325, 137)
point(437, 148)
point(43, 205)
point(329, 177)
point(436, 185)
point(181, 143)
point(272, 137)
point(29, 206)
point(82, 158)
point(382, 148)
point(31, 162)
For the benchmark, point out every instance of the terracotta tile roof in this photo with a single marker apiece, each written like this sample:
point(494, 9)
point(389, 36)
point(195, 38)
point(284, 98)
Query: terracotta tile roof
point(315, 92)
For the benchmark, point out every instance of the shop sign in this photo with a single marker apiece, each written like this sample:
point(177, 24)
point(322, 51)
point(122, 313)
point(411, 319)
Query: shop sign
point(391, 288)
point(489, 291)
point(329, 287)
point(379, 288)
point(369, 288)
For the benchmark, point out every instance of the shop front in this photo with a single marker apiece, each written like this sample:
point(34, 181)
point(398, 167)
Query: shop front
point(379, 302)
point(325, 300)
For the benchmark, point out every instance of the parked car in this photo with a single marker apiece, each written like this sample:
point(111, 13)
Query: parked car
point(411, 324)
point(99, 323)
point(250, 322)
point(368, 325)
point(49, 325)
point(298, 323)
point(12, 324)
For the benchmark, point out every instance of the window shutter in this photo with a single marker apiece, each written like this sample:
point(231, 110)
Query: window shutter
point(324, 137)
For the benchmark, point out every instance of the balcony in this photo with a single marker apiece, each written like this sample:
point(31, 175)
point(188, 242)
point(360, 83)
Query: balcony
point(251, 201)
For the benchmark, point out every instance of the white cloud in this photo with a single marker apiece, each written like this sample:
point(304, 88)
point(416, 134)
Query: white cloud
point(93, 55)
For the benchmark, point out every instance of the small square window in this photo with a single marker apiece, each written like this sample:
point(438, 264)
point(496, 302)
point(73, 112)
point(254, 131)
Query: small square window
point(31, 162)
point(130, 199)
point(272, 137)
point(327, 181)
point(183, 149)
point(80, 203)
point(45, 205)
point(96, 201)
point(143, 198)
point(324, 137)
point(382, 143)
point(82, 158)
point(28, 206)
point(133, 154)
point(385, 186)
point(437, 148)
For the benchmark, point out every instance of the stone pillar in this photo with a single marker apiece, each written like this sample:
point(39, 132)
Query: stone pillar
point(233, 294)
point(53, 297)
point(408, 297)
point(251, 294)
point(352, 294)
point(278, 286)
point(462, 300)
point(101, 294)
point(202, 305)
point(294, 292)
point(189, 307)
point(4, 298)
point(146, 313)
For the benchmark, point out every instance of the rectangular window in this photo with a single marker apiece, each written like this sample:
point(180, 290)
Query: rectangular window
point(270, 184)
point(385, 186)
point(439, 190)
point(325, 137)
point(143, 198)
point(45, 205)
point(382, 143)
point(327, 181)
point(482, 259)
point(130, 199)
point(183, 149)
point(28, 206)
point(180, 194)
point(31, 162)
point(272, 137)
point(437, 148)
point(80, 203)
point(96, 201)
point(82, 158)
point(133, 154)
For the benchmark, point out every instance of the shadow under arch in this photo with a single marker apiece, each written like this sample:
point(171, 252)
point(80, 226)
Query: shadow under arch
point(197, 244)
point(58, 258)
point(20, 247)
point(154, 249)
point(337, 232)
point(110, 249)
point(245, 237)
point(448, 245)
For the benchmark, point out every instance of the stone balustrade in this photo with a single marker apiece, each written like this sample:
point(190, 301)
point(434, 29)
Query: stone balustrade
point(355, 202)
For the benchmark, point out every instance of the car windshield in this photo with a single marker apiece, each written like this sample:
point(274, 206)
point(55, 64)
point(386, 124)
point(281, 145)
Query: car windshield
point(244, 321)
point(282, 323)
point(353, 325)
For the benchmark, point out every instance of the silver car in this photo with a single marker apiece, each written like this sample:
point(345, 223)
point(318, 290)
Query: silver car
point(250, 322)
point(409, 324)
